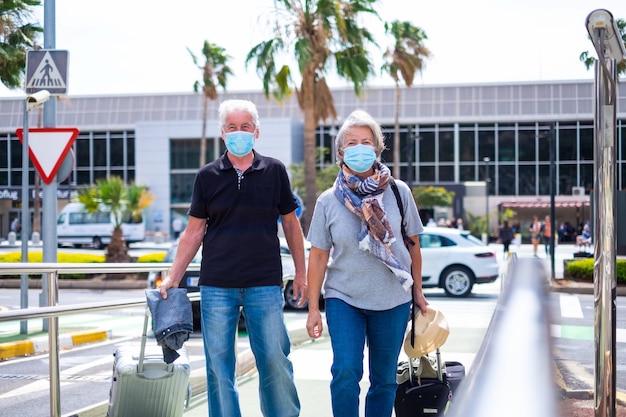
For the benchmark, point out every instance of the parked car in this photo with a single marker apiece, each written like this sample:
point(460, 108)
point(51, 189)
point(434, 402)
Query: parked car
point(455, 260)
point(190, 279)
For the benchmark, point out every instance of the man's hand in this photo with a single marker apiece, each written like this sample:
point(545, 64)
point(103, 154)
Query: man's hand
point(300, 289)
point(165, 285)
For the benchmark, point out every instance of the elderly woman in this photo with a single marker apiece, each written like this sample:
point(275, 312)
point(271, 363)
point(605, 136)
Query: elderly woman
point(373, 275)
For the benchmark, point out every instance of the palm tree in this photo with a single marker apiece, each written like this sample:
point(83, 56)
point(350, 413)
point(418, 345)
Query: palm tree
point(589, 60)
point(215, 72)
point(316, 33)
point(404, 59)
point(125, 202)
point(17, 35)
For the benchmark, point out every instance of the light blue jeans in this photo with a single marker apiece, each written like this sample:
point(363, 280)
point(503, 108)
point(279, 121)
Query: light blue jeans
point(269, 341)
point(349, 328)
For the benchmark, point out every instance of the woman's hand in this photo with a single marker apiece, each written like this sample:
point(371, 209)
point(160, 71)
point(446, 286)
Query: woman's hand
point(314, 325)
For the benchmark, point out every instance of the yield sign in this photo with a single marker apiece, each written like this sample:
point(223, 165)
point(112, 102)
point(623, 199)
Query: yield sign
point(48, 147)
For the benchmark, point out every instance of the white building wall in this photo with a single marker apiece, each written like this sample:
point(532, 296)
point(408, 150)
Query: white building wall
point(279, 138)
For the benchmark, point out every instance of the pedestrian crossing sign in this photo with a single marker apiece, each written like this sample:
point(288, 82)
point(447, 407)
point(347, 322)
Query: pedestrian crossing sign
point(46, 69)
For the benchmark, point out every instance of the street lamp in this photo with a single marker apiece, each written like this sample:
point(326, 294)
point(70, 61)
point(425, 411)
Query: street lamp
point(607, 41)
point(487, 180)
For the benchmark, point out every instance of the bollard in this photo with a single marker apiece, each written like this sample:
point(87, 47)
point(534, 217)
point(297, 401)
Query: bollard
point(12, 238)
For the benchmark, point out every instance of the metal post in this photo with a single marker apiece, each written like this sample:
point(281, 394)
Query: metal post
point(605, 238)
point(49, 200)
point(411, 153)
point(48, 229)
point(552, 138)
point(53, 347)
point(487, 181)
point(25, 223)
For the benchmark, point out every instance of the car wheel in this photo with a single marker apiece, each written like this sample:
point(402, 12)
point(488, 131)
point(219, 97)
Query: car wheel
point(289, 301)
point(457, 281)
point(97, 243)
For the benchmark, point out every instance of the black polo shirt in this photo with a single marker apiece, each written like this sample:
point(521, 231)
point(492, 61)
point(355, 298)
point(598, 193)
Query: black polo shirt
point(241, 247)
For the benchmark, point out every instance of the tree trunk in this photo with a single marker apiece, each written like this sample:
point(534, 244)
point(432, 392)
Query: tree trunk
point(117, 251)
point(310, 170)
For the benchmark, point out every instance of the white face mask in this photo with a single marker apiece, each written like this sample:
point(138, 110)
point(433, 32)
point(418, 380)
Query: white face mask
point(239, 143)
point(359, 158)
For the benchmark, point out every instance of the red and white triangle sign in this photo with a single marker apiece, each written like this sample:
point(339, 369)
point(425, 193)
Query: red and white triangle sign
point(48, 147)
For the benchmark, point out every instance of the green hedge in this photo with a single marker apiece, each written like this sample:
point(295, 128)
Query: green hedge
point(582, 270)
point(37, 257)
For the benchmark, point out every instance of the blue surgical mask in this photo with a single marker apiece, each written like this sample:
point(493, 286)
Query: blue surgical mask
point(359, 158)
point(239, 143)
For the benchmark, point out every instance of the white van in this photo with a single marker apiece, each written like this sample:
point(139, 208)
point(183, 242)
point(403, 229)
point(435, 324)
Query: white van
point(76, 227)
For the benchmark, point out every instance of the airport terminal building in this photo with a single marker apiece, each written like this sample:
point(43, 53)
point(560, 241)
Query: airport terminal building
point(455, 136)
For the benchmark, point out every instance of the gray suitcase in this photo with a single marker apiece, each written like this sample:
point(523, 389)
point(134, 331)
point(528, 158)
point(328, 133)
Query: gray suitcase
point(144, 385)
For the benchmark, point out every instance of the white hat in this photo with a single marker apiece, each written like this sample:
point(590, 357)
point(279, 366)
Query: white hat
point(431, 332)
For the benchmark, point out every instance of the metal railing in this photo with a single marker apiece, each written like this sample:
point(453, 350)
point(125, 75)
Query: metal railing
point(512, 373)
point(52, 271)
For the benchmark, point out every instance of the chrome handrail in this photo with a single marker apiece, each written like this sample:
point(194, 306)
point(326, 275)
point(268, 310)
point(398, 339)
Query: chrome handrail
point(512, 373)
point(53, 311)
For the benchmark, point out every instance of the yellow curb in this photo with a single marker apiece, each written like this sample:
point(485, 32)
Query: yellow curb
point(13, 349)
point(89, 337)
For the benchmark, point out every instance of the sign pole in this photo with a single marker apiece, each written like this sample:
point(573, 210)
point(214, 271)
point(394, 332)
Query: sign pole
point(25, 222)
point(48, 229)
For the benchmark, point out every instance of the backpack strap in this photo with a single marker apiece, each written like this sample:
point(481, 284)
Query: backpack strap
point(396, 193)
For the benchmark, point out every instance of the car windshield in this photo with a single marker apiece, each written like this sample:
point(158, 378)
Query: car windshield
point(473, 239)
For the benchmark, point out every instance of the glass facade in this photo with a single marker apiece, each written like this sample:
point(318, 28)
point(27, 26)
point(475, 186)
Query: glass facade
point(184, 163)
point(446, 132)
point(97, 155)
point(519, 155)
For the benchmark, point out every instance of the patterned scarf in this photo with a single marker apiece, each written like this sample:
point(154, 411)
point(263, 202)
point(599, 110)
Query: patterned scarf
point(365, 199)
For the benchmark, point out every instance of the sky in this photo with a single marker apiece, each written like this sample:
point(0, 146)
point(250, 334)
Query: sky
point(140, 46)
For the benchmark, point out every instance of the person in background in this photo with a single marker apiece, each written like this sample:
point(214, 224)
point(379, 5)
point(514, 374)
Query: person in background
point(459, 223)
point(584, 239)
point(177, 226)
point(15, 225)
point(546, 233)
point(505, 235)
point(235, 204)
point(535, 234)
point(431, 223)
point(372, 276)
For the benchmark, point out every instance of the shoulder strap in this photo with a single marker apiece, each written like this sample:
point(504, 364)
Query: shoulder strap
point(396, 193)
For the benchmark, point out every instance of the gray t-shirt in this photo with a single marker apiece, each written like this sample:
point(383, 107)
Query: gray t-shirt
point(356, 276)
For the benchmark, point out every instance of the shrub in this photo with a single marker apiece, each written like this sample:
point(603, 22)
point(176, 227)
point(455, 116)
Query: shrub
point(582, 270)
point(151, 258)
point(37, 257)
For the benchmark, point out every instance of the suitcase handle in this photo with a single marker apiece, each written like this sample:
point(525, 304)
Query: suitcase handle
point(144, 336)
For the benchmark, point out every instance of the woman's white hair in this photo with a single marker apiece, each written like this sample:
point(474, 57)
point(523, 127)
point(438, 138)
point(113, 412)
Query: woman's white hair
point(359, 118)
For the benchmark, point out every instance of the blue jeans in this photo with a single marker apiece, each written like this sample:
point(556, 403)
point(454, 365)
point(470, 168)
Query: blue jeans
point(349, 328)
point(269, 341)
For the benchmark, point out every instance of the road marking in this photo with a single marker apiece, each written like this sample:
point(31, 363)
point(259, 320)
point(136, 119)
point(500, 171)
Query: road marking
point(44, 385)
point(582, 332)
point(570, 306)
